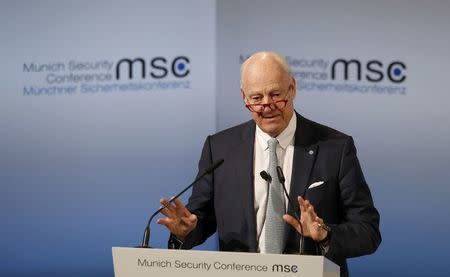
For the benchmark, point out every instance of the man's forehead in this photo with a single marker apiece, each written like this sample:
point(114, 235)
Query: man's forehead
point(263, 75)
point(262, 87)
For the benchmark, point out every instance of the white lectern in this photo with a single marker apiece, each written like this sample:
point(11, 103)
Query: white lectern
point(137, 262)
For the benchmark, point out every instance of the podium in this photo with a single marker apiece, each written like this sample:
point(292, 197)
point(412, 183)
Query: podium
point(140, 262)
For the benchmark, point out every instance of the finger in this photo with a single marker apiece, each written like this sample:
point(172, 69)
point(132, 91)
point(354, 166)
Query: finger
point(178, 203)
point(193, 218)
point(301, 203)
point(307, 204)
point(167, 205)
point(311, 213)
point(164, 221)
point(306, 218)
point(167, 213)
point(319, 220)
point(190, 221)
point(180, 207)
point(293, 222)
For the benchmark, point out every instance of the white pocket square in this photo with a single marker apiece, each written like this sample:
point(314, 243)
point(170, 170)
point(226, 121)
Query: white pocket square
point(316, 184)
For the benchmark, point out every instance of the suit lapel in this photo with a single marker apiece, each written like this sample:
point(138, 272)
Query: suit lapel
point(305, 152)
point(243, 164)
point(304, 156)
point(301, 169)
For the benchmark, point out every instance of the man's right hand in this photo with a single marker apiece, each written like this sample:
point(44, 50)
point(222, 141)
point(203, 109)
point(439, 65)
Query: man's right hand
point(179, 220)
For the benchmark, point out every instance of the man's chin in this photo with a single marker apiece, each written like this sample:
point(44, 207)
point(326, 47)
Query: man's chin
point(273, 131)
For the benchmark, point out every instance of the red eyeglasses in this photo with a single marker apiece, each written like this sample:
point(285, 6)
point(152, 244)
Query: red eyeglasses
point(259, 108)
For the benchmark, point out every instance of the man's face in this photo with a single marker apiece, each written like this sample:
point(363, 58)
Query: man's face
point(263, 82)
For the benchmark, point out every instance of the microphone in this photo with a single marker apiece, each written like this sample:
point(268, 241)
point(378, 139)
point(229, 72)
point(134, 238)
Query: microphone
point(282, 180)
point(146, 238)
point(265, 176)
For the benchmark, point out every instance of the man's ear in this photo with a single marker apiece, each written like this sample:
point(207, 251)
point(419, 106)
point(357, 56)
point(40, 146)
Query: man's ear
point(243, 95)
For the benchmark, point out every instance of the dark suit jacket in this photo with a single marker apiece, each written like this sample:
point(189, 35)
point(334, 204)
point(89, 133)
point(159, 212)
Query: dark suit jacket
point(224, 200)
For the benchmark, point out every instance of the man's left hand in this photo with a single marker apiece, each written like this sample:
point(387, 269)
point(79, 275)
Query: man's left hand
point(309, 220)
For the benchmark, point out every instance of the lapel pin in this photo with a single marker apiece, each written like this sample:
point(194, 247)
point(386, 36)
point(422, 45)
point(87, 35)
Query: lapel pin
point(310, 152)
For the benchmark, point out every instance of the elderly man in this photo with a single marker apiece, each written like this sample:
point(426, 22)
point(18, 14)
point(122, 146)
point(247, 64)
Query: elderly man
point(249, 210)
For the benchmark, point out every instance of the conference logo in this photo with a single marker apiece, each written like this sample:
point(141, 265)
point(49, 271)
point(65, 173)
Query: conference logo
point(348, 75)
point(157, 68)
point(373, 71)
point(127, 74)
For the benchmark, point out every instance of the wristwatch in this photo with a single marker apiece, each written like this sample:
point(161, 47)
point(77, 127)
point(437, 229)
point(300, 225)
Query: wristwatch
point(325, 243)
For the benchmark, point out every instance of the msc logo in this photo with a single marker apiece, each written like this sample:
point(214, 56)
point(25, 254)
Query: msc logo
point(157, 67)
point(285, 268)
point(374, 70)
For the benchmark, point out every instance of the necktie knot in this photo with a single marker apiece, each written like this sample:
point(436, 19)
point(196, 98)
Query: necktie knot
point(273, 142)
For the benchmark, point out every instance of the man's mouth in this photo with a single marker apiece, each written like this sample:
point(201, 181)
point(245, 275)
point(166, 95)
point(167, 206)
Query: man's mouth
point(270, 116)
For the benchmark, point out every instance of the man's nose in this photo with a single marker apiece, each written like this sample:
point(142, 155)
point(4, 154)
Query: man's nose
point(267, 104)
point(267, 99)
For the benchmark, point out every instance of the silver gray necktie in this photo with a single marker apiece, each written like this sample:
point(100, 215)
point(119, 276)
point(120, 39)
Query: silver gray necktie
point(274, 223)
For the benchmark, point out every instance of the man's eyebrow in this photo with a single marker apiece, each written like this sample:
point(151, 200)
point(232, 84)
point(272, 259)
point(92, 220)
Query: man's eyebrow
point(268, 89)
point(255, 92)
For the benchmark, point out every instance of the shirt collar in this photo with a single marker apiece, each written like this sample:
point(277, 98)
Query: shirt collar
point(284, 139)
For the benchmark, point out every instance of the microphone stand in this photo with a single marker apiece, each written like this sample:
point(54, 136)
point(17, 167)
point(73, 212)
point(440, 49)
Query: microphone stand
point(297, 216)
point(146, 237)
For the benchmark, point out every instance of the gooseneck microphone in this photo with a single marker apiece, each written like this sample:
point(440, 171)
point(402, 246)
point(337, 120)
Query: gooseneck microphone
point(266, 176)
point(146, 238)
point(297, 216)
point(282, 181)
